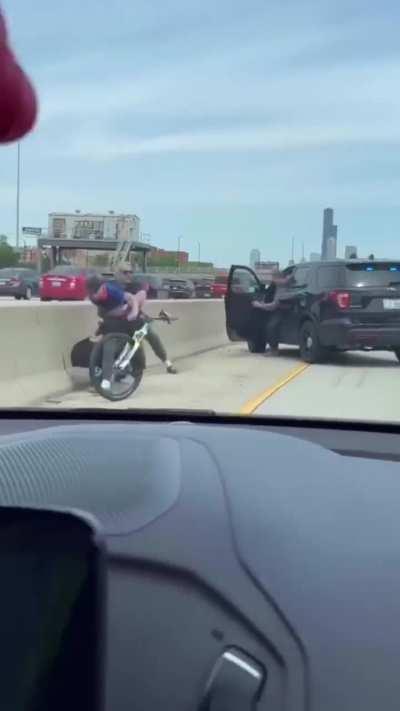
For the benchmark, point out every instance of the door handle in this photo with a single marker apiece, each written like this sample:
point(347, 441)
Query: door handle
point(235, 684)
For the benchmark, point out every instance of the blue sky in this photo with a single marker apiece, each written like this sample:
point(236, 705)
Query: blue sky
point(229, 123)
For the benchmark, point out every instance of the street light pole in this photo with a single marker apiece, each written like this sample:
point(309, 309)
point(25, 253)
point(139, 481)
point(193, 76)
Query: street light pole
point(178, 252)
point(198, 252)
point(18, 192)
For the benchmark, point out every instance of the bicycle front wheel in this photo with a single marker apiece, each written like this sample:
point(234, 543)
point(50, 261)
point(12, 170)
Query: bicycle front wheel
point(110, 381)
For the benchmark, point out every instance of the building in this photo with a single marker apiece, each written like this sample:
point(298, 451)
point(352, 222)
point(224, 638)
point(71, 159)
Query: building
point(329, 235)
point(29, 255)
point(255, 256)
point(79, 225)
point(331, 245)
point(167, 257)
point(315, 257)
point(350, 252)
point(331, 248)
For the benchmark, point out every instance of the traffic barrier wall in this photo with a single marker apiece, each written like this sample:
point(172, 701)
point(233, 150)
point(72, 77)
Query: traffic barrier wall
point(37, 340)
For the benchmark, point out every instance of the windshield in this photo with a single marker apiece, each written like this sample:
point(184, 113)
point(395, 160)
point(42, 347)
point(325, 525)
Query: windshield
point(189, 157)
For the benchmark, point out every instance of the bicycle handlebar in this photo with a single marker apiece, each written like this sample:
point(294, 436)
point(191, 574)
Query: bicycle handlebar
point(162, 316)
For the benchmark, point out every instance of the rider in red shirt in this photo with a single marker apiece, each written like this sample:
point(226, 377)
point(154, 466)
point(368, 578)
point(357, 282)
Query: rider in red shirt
point(18, 104)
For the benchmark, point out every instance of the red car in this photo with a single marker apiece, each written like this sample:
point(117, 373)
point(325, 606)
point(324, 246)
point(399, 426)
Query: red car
point(219, 287)
point(64, 283)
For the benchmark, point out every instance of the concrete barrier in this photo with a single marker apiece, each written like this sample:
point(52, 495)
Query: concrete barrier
point(37, 339)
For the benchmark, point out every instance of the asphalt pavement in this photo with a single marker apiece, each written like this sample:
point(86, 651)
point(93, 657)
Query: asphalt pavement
point(361, 386)
point(351, 386)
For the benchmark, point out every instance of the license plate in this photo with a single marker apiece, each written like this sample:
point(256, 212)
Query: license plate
point(56, 283)
point(391, 304)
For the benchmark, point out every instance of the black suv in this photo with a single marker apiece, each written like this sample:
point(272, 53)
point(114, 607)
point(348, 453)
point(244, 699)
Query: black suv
point(339, 305)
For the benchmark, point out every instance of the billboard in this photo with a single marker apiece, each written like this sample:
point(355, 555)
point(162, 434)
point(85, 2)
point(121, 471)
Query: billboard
point(37, 231)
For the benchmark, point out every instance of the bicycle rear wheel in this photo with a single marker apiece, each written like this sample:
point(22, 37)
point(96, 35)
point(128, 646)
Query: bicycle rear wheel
point(122, 382)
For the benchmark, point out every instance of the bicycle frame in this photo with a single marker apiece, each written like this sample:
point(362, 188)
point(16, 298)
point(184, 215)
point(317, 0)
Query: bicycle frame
point(131, 347)
point(135, 341)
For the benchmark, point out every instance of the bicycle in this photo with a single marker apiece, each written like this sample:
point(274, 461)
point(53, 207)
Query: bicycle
point(122, 355)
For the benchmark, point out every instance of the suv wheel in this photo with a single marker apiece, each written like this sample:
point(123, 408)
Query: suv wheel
point(257, 345)
point(311, 350)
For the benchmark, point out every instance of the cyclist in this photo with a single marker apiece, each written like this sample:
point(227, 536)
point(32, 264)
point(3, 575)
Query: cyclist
point(125, 279)
point(113, 302)
point(120, 313)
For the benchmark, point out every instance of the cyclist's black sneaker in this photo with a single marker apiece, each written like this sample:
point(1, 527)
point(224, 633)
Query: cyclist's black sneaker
point(172, 370)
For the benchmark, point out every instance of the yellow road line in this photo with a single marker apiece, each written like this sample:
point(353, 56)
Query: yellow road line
point(255, 402)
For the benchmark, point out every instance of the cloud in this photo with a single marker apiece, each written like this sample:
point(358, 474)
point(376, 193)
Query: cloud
point(281, 138)
point(252, 106)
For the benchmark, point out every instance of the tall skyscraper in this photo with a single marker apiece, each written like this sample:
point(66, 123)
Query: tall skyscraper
point(333, 242)
point(255, 256)
point(350, 252)
point(331, 248)
point(329, 235)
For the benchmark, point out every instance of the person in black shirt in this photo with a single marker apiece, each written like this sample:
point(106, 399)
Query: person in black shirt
point(272, 306)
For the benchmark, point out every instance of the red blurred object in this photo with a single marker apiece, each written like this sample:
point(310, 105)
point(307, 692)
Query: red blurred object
point(18, 105)
point(64, 283)
point(220, 287)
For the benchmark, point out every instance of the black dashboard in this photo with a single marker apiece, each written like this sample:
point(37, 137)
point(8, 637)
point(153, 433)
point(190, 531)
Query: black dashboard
point(251, 565)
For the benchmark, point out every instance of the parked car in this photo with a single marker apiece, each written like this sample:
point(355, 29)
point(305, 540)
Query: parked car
point(180, 288)
point(219, 287)
point(158, 288)
point(22, 283)
point(327, 306)
point(203, 288)
point(65, 283)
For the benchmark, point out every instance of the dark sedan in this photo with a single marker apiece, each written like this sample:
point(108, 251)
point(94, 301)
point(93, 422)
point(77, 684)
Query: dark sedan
point(203, 288)
point(20, 283)
point(180, 288)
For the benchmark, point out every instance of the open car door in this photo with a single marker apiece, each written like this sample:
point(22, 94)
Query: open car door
point(243, 321)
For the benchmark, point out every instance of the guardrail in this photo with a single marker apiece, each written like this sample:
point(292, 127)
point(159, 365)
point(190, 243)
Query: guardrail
point(37, 341)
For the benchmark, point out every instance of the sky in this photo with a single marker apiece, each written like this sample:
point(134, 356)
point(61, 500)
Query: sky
point(230, 124)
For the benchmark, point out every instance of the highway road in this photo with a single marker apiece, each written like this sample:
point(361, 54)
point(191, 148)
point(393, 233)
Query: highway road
point(362, 386)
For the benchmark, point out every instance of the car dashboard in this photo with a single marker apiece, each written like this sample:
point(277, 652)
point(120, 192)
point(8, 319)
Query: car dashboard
point(251, 565)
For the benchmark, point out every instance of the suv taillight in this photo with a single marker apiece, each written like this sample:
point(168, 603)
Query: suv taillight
point(342, 299)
